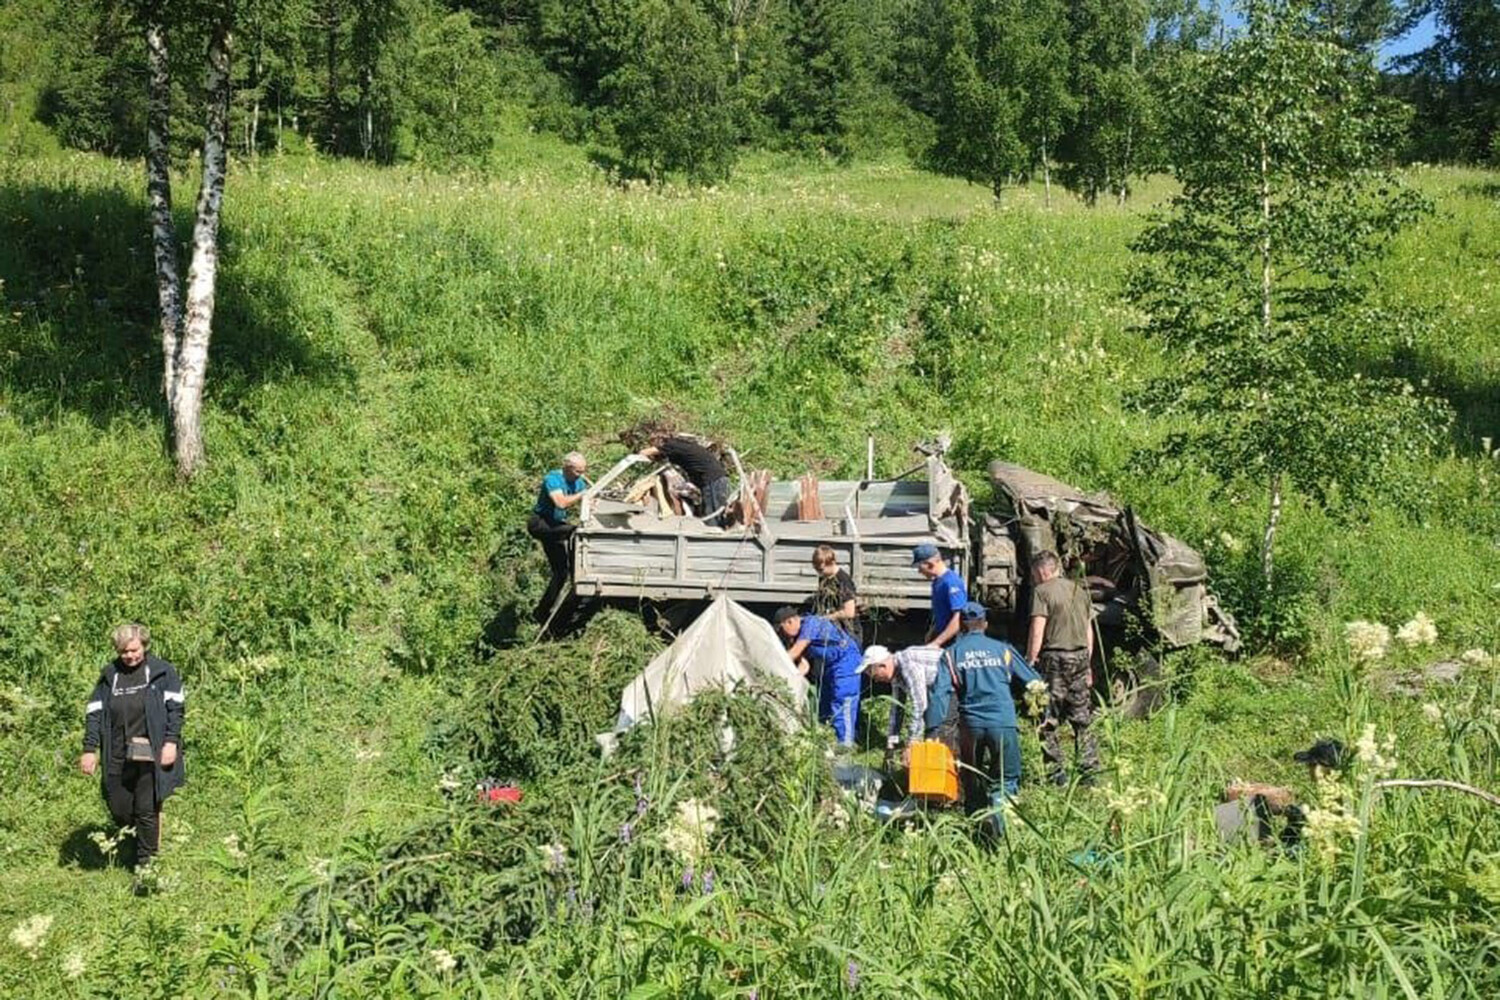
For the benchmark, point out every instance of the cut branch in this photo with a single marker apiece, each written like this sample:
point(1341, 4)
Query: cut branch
point(1456, 786)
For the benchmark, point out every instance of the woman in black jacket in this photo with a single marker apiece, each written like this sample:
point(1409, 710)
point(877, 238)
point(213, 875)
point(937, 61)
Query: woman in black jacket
point(134, 721)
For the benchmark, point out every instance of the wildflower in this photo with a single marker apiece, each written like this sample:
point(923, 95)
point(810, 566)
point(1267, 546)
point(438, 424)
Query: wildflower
point(838, 816)
point(30, 934)
point(322, 869)
point(1378, 756)
point(641, 802)
point(626, 833)
point(1037, 696)
point(1367, 641)
point(1432, 713)
point(851, 975)
point(1131, 799)
point(688, 831)
point(687, 878)
point(232, 847)
point(708, 882)
point(73, 965)
point(554, 858)
point(443, 959)
point(1475, 657)
point(1231, 544)
point(449, 782)
point(1420, 631)
point(1332, 821)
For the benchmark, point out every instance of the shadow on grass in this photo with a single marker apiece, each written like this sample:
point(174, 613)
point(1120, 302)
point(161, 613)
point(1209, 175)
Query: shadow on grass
point(78, 324)
point(1474, 398)
point(79, 850)
point(1487, 189)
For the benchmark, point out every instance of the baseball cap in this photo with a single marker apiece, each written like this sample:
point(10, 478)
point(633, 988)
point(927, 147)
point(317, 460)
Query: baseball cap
point(923, 552)
point(973, 612)
point(782, 614)
point(873, 655)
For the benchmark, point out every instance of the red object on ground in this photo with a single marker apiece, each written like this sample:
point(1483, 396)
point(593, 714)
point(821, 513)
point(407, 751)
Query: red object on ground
point(507, 793)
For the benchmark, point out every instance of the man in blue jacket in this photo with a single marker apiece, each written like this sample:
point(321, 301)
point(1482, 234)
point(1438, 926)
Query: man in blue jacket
point(948, 593)
point(979, 672)
point(836, 657)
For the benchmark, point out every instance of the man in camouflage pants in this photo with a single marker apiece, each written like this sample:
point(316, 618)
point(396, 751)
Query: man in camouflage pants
point(1061, 644)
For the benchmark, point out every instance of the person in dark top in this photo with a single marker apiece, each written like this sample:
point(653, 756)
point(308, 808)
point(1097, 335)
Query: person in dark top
point(561, 489)
point(133, 726)
point(836, 599)
point(702, 468)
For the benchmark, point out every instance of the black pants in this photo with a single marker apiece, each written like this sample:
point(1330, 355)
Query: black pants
point(556, 540)
point(130, 793)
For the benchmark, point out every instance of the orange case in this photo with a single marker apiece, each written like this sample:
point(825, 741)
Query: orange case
point(933, 772)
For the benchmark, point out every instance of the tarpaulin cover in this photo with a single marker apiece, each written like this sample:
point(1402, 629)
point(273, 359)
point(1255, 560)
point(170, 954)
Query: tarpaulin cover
point(727, 649)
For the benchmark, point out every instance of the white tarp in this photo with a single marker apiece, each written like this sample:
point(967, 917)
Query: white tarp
point(727, 649)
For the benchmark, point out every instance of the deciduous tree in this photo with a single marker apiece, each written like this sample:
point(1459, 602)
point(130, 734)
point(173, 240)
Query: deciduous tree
point(1256, 276)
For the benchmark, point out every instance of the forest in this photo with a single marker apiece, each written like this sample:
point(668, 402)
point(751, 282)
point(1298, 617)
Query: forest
point(992, 91)
point(388, 265)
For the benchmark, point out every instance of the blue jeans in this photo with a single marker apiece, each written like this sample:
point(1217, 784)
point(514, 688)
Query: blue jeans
point(838, 701)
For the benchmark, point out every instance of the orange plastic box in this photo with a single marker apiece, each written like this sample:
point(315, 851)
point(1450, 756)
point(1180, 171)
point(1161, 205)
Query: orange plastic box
point(933, 772)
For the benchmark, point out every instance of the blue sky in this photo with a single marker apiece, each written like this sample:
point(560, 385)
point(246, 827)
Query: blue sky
point(1413, 41)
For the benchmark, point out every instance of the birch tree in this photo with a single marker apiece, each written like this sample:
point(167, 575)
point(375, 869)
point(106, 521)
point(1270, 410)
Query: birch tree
point(1256, 276)
point(186, 313)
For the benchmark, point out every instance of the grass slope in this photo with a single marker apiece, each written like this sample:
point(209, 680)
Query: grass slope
point(399, 354)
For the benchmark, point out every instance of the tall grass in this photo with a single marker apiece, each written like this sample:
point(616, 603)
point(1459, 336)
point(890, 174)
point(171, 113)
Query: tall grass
point(399, 354)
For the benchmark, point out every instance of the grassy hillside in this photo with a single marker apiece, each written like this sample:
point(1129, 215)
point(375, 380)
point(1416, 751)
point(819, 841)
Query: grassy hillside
point(398, 355)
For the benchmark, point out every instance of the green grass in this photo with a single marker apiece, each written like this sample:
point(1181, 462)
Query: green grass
point(399, 354)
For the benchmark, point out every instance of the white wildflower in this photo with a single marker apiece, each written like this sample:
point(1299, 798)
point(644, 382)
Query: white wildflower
point(73, 965)
point(232, 847)
point(1132, 799)
point(1367, 641)
point(554, 858)
point(1377, 755)
point(443, 959)
point(1475, 657)
point(449, 782)
point(838, 816)
point(1036, 697)
point(30, 934)
point(1433, 713)
point(1332, 821)
point(1420, 631)
point(688, 831)
point(1231, 544)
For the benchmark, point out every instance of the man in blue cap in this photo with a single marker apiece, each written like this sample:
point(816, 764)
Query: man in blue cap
point(949, 594)
point(979, 672)
point(837, 658)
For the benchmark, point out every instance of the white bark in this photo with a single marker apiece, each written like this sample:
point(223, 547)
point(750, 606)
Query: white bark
point(159, 197)
point(1268, 542)
point(192, 353)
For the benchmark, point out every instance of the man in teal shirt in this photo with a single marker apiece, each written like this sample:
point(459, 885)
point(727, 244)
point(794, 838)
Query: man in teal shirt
point(561, 488)
point(979, 671)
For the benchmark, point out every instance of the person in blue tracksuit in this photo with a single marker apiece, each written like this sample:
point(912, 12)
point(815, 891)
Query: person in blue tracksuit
point(837, 657)
point(979, 672)
point(948, 594)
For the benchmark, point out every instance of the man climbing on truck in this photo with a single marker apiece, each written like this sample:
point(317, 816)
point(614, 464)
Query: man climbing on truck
point(701, 466)
point(949, 594)
point(1061, 644)
point(561, 489)
point(837, 658)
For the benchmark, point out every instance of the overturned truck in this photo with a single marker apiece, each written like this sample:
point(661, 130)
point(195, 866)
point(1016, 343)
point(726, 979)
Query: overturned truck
point(636, 544)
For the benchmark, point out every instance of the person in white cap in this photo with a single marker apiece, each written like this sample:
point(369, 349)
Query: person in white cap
point(911, 673)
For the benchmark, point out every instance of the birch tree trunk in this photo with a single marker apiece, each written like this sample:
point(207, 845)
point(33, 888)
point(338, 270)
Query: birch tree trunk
point(191, 366)
point(159, 196)
point(1268, 544)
